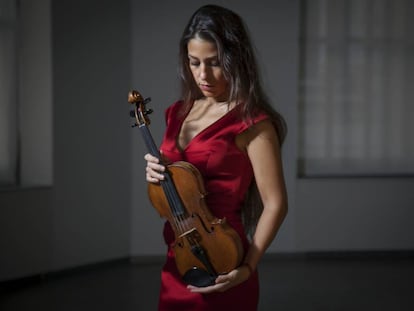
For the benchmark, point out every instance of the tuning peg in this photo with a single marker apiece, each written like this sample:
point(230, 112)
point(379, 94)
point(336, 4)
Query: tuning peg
point(149, 111)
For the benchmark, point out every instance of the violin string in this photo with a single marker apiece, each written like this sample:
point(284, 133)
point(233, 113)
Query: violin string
point(181, 218)
point(175, 203)
point(170, 199)
point(180, 214)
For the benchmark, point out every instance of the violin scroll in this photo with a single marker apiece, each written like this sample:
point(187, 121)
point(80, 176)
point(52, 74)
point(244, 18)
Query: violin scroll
point(140, 112)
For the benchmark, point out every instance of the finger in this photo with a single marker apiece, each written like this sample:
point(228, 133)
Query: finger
point(222, 279)
point(156, 167)
point(151, 179)
point(153, 176)
point(150, 158)
point(208, 289)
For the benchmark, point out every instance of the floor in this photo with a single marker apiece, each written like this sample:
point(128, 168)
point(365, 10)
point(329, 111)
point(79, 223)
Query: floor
point(287, 283)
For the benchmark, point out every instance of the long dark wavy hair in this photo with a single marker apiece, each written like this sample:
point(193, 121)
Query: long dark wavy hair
point(236, 55)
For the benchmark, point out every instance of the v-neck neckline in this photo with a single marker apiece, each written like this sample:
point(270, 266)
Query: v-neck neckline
point(213, 124)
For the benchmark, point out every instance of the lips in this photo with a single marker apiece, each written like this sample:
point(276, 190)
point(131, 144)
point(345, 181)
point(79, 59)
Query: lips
point(205, 87)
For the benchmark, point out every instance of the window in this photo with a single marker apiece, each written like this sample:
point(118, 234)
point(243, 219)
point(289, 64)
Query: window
point(356, 88)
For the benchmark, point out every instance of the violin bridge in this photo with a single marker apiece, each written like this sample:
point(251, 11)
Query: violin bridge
point(187, 232)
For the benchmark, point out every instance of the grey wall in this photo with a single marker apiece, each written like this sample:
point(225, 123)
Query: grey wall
point(92, 134)
point(354, 214)
point(84, 217)
point(97, 208)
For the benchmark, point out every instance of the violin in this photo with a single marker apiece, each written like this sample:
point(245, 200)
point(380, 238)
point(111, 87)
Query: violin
point(205, 246)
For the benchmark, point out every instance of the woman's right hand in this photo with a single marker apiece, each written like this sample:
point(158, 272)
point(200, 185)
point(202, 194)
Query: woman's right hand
point(154, 169)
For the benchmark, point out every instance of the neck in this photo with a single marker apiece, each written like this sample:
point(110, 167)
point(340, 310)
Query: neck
point(219, 104)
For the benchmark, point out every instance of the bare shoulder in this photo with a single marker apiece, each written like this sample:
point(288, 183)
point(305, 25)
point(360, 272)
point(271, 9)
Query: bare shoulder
point(262, 132)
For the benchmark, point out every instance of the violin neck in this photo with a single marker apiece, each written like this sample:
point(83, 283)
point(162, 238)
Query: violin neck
point(149, 141)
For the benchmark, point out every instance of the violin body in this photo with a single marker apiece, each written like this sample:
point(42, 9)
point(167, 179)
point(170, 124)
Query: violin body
point(220, 241)
point(205, 246)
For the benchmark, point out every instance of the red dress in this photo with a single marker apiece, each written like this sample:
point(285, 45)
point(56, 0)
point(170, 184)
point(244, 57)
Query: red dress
point(227, 174)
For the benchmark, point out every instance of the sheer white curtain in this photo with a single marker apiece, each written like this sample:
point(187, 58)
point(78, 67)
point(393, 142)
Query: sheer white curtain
point(357, 88)
point(8, 91)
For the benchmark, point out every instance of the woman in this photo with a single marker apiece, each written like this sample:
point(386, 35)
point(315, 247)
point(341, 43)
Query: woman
point(224, 126)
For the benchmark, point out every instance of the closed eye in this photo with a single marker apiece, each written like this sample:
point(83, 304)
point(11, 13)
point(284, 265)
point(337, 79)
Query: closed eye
point(211, 61)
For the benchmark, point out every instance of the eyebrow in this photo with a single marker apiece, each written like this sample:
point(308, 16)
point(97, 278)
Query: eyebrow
point(207, 58)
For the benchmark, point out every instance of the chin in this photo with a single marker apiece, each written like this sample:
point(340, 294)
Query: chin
point(208, 94)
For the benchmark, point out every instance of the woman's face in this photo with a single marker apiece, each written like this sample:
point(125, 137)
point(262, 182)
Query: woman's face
point(207, 70)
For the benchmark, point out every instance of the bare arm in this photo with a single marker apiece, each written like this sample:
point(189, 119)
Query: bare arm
point(265, 155)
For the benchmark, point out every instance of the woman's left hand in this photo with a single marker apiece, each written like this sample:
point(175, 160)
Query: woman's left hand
point(225, 281)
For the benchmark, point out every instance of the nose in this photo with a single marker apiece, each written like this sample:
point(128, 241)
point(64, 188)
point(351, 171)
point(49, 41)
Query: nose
point(203, 71)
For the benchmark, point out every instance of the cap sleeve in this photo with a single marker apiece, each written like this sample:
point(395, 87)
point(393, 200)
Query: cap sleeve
point(249, 123)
